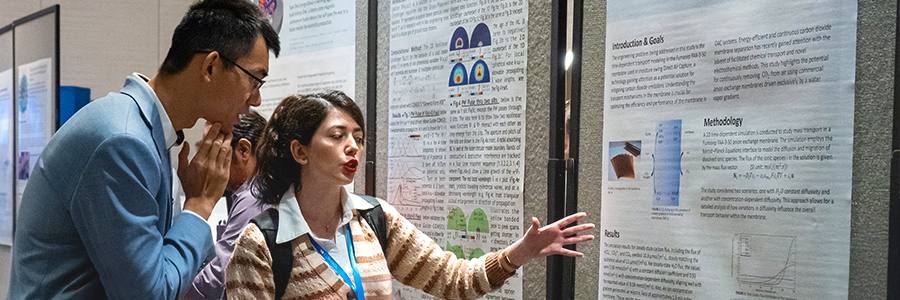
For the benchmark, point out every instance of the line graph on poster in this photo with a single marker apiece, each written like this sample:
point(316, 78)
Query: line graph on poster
point(404, 183)
point(405, 146)
point(765, 261)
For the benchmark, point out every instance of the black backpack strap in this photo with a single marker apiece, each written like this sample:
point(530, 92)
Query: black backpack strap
point(376, 219)
point(282, 259)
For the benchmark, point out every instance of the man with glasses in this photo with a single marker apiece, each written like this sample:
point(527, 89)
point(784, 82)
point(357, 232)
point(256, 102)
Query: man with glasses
point(95, 221)
point(257, 83)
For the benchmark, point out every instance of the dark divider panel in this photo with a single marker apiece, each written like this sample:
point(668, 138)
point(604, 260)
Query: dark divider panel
point(572, 128)
point(560, 269)
point(372, 100)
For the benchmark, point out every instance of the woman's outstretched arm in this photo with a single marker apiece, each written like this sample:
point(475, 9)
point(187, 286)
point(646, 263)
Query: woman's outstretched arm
point(544, 241)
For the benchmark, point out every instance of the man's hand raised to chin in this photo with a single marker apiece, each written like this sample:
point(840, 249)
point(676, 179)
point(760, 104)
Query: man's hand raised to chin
point(205, 177)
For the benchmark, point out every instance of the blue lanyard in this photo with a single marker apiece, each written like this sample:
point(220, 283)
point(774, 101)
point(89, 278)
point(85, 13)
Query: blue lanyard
point(356, 285)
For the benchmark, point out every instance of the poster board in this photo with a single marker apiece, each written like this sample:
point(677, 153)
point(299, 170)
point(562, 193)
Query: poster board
point(318, 44)
point(36, 89)
point(456, 129)
point(318, 51)
point(689, 100)
point(7, 88)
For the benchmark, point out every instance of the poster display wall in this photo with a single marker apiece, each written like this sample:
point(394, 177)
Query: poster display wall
point(35, 117)
point(729, 138)
point(456, 125)
point(6, 157)
point(317, 49)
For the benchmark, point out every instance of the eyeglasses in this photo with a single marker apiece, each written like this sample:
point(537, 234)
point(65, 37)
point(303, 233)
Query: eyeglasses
point(258, 82)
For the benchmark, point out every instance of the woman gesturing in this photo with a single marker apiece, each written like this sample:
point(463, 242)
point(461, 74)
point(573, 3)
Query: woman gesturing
point(310, 149)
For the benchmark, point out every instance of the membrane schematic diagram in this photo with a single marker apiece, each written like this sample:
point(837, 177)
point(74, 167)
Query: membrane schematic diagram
point(666, 156)
point(667, 163)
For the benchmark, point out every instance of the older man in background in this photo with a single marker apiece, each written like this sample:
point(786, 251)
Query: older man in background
point(242, 206)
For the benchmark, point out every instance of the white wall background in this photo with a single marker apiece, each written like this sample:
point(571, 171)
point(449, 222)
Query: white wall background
point(102, 42)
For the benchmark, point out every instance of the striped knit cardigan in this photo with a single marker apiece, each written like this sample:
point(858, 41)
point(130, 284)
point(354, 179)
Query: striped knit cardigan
point(412, 258)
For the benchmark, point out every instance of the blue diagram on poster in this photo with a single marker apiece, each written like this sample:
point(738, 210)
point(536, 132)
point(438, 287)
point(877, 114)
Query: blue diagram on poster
point(667, 163)
point(481, 36)
point(460, 39)
point(480, 73)
point(459, 76)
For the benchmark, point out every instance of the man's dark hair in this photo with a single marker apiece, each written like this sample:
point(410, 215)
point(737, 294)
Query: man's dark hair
point(250, 128)
point(230, 27)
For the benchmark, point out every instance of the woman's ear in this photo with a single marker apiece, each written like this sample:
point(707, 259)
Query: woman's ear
point(299, 152)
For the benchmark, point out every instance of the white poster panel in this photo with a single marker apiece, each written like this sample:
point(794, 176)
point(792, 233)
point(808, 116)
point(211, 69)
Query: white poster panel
point(36, 119)
point(318, 40)
point(6, 157)
point(456, 125)
point(728, 129)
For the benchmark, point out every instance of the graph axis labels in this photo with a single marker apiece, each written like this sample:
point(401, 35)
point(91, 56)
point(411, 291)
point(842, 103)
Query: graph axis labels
point(765, 261)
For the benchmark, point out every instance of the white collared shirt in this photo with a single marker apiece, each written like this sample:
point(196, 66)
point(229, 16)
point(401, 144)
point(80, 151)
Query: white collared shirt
point(292, 224)
point(167, 127)
point(171, 138)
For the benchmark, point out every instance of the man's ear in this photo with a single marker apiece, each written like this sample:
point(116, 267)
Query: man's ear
point(208, 65)
point(299, 152)
point(243, 149)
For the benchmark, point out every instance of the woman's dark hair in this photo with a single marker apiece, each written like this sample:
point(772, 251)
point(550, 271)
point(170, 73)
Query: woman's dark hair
point(297, 117)
point(230, 27)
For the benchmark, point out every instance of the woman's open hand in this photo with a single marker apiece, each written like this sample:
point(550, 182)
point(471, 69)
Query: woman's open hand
point(549, 240)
